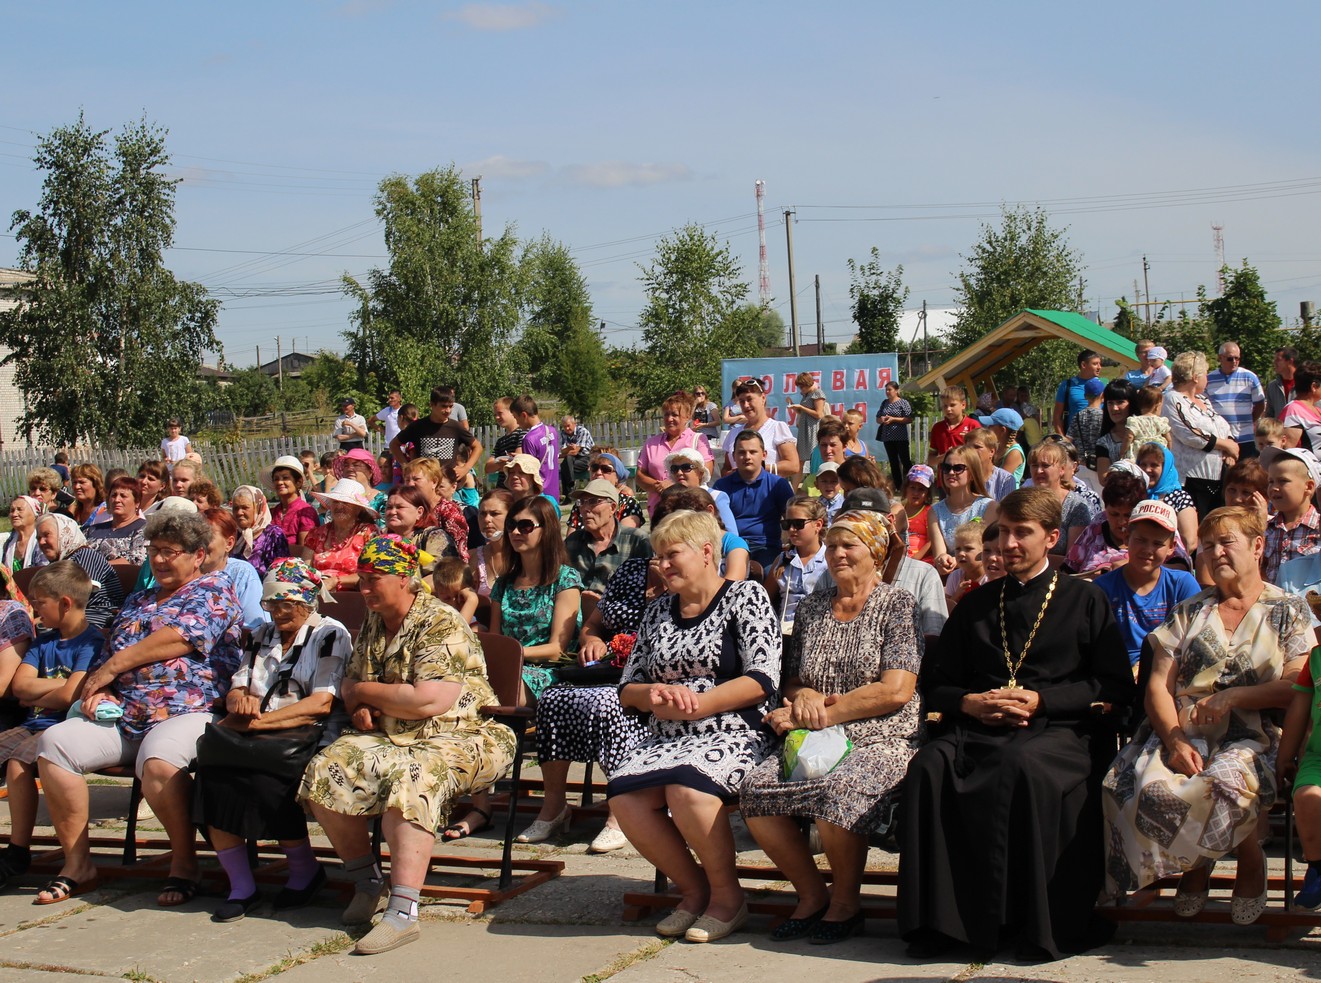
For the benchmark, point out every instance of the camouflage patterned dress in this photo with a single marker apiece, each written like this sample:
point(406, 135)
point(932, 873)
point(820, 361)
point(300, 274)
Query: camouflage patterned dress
point(416, 766)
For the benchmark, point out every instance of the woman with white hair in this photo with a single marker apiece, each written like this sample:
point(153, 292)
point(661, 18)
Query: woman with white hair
point(1199, 436)
point(687, 468)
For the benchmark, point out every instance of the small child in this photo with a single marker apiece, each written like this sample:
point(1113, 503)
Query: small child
point(1300, 766)
point(853, 421)
point(308, 460)
point(1245, 485)
point(1269, 432)
point(1160, 373)
point(1145, 424)
point(827, 484)
point(948, 432)
point(992, 558)
point(205, 494)
point(49, 680)
point(968, 566)
point(1294, 476)
point(917, 511)
point(455, 583)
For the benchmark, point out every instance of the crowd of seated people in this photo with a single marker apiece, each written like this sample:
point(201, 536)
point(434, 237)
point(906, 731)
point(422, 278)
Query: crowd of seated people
point(685, 646)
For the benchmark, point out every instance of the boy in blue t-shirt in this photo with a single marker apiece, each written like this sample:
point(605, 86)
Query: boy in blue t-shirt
point(48, 680)
point(1143, 591)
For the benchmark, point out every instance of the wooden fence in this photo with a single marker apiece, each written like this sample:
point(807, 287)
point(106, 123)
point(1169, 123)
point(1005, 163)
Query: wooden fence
point(240, 462)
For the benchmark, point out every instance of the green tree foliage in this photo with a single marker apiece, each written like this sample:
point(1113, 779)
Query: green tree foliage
point(252, 393)
point(330, 378)
point(107, 342)
point(695, 315)
point(1244, 315)
point(770, 331)
point(446, 308)
point(878, 304)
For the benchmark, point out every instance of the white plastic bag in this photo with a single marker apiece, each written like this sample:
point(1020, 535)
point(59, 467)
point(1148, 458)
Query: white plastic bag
point(812, 754)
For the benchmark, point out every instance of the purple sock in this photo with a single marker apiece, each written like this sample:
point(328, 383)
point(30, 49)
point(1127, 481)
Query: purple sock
point(235, 862)
point(302, 866)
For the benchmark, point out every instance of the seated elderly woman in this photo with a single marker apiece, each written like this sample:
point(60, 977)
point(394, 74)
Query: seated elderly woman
point(360, 465)
point(853, 661)
point(333, 548)
point(119, 535)
point(287, 685)
point(260, 541)
point(47, 485)
point(704, 673)
point(20, 549)
point(167, 667)
point(689, 469)
point(1191, 785)
point(416, 741)
point(59, 538)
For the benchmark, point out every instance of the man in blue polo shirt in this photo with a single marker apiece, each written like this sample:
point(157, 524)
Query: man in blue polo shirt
point(1143, 590)
point(756, 497)
point(1070, 396)
point(1237, 395)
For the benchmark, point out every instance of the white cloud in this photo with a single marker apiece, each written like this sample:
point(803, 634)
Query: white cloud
point(510, 168)
point(503, 16)
point(622, 173)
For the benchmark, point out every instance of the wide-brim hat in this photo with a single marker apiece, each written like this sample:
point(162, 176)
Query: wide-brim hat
point(365, 457)
point(284, 461)
point(599, 488)
point(348, 491)
point(526, 463)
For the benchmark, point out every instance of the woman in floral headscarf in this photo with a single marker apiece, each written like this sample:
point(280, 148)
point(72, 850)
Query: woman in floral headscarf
point(414, 744)
point(289, 678)
point(261, 542)
point(59, 538)
point(20, 549)
point(853, 661)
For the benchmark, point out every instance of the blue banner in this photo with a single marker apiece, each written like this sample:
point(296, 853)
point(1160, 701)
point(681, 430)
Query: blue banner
point(848, 381)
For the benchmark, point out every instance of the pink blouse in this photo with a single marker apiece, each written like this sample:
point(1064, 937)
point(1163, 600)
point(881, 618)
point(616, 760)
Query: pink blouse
point(342, 558)
point(651, 460)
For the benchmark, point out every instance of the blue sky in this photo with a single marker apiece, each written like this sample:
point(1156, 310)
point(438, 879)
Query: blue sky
point(607, 124)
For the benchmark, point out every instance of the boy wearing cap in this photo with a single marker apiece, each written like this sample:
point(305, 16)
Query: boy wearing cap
point(827, 486)
point(1143, 591)
point(1295, 529)
point(350, 428)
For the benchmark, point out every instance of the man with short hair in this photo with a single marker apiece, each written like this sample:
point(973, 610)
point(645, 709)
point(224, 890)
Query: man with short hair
point(780, 442)
point(1236, 394)
point(1294, 527)
point(595, 558)
point(439, 437)
point(575, 451)
point(1279, 391)
point(387, 418)
point(1000, 828)
point(508, 443)
point(1070, 397)
point(756, 497)
point(541, 441)
point(1137, 378)
point(350, 428)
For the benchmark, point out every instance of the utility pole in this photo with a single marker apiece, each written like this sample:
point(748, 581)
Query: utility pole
point(1146, 288)
point(477, 205)
point(259, 358)
point(926, 342)
point(820, 325)
point(793, 295)
point(279, 363)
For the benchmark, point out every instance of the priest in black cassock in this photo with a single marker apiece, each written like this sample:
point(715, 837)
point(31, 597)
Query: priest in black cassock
point(1001, 816)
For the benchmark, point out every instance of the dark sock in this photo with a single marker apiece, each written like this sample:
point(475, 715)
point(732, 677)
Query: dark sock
point(241, 882)
point(303, 866)
point(402, 910)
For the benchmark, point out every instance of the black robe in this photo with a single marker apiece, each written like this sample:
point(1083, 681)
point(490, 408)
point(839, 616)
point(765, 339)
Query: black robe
point(1001, 827)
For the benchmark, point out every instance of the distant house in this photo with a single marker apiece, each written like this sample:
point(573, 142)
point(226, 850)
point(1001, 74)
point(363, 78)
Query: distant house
point(222, 377)
point(293, 363)
point(12, 283)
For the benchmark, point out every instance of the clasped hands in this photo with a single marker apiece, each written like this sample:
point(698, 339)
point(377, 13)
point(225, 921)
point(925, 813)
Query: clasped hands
point(670, 702)
point(808, 710)
point(1207, 712)
point(1002, 707)
point(362, 716)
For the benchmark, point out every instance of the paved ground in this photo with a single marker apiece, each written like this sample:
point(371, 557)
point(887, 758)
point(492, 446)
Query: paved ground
point(567, 930)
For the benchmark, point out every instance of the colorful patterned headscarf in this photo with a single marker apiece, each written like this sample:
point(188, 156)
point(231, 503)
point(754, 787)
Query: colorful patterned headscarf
point(389, 553)
point(870, 528)
point(37, 505)
point(290, 579)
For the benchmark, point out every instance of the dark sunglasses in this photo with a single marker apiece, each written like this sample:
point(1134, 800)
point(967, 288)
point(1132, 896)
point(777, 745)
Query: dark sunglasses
point(1232, 358)
point(794, 524)
point(603, 468)
point(700, 392)
point(682, 468)
point(952, 468)
point(524, 527)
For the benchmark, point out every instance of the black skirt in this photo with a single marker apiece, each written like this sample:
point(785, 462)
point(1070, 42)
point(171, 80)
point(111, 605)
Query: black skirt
point(249, 804)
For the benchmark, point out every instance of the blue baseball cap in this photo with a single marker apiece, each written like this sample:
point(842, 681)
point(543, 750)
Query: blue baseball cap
point(1003, 417)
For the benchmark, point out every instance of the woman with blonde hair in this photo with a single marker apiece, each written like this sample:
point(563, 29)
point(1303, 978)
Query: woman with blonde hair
point(965, 501)
point(676, 434)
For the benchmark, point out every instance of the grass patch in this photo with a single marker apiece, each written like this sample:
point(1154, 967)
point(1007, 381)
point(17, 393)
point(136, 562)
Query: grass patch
point(327, 947)
point(638, 955)
point(47, 968)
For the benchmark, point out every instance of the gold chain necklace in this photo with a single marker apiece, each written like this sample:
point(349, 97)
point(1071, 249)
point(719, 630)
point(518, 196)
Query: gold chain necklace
point(1010, 664)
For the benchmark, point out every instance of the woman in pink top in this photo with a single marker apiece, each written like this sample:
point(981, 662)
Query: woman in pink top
point(676, 434)
point(294, 516)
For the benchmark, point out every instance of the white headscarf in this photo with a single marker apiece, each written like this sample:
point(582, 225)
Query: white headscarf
point(70, 536)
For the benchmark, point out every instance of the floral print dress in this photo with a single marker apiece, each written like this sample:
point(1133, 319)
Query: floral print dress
point(418, 767)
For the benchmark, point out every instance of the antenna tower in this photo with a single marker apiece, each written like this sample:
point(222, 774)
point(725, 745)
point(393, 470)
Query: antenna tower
point(1218, 232)
point(764, 269)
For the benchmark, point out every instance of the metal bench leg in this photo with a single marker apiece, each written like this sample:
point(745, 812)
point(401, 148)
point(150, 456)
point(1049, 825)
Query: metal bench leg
point(130, 855)
point(507, 855)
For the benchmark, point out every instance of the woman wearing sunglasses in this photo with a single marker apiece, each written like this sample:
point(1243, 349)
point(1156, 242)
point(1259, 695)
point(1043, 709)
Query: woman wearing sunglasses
point(676, 434)
point(965, 501)
point(687, 469)
point(628, 512)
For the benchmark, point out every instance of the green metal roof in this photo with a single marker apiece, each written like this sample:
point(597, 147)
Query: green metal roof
point(1103, 338)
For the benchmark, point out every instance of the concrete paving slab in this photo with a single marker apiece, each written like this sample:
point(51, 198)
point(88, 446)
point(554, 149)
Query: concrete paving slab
point(1154, 964)
point(17, 909)
point(505, 952)
point(29, 974)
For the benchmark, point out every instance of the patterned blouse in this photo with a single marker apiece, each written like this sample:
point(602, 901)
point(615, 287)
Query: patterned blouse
point(432, 643)
point(894, 431)
point(526, 612)
point(268, 546)
point(342, 558)
point(125, 543)
point(15, 624)
point(207, 614)
point(449, 516)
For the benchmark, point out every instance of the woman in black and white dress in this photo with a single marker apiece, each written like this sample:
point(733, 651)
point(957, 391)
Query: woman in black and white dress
point(705, 669)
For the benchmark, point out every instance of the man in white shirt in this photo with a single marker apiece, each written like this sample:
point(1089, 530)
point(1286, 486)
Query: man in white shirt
point(388, 417)
point(350, 428)
point(781, 443)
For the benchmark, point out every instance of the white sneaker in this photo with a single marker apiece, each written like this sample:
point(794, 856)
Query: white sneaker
point(609, 839)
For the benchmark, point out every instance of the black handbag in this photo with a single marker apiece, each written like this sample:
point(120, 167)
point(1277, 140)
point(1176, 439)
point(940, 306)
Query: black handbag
point(282, 753)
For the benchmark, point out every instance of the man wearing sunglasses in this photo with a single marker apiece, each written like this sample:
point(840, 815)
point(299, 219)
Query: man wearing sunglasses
point(756, 497)
point(1237, 395)
point(780, 443)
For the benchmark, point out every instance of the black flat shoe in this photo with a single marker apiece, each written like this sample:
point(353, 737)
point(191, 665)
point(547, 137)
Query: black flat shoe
point(828, 933)
point(797, 928)
point(929, 944)
point(289, 898)
point(235, 908)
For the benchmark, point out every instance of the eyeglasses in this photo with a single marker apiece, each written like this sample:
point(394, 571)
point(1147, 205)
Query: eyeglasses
point(604, 467)
point(163, 552)
point(683, 468)
point(795, 524)
point(952, 468)
point(1232, 358)
point(525, 527)
point(699, 392)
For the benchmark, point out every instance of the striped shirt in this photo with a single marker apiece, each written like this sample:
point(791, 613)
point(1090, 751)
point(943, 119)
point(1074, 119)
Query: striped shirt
point(1233, 396)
